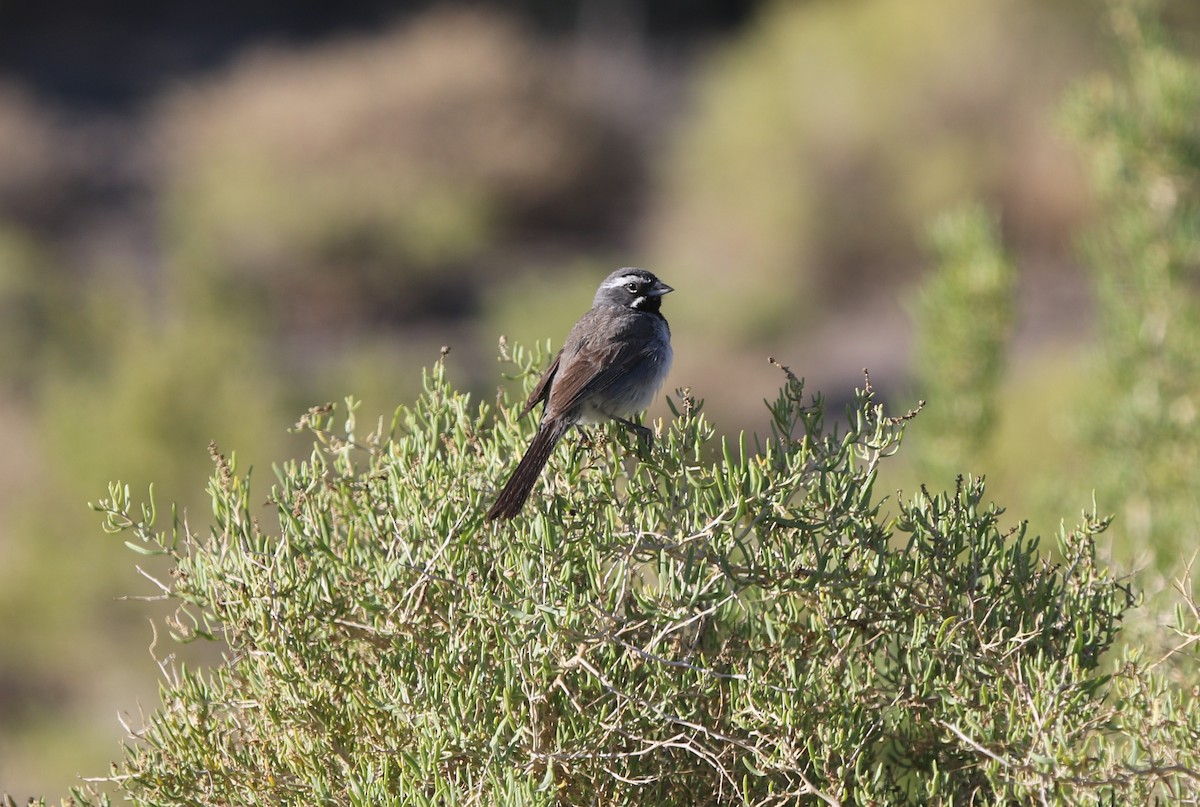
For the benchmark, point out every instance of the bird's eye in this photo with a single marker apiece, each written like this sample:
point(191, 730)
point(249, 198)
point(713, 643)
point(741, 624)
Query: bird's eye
point(632, 287)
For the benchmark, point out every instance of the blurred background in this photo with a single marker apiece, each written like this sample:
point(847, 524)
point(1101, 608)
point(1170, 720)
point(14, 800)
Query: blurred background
point(214, 216)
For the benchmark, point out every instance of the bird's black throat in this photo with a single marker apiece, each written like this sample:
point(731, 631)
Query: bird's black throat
point(649, 303)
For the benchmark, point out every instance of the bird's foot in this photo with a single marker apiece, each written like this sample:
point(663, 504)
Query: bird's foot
point(644, 434)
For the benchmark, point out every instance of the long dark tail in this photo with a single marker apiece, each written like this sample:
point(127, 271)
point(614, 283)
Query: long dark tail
point(516, 490)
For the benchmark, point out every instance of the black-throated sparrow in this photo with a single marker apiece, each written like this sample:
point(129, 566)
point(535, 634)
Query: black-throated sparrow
point(611, 365)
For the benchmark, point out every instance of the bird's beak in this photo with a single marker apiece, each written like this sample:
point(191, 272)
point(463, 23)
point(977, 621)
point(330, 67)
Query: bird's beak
point(660, 289)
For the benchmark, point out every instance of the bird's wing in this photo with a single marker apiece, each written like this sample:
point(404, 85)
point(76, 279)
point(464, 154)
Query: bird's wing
point(597, 352)
point(541, 390)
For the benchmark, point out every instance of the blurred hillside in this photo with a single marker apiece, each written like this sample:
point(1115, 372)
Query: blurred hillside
point(211, 221)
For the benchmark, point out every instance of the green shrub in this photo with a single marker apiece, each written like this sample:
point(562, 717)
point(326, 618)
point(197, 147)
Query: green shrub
point(704, 622)
point(1140, 132)
point(963, 315)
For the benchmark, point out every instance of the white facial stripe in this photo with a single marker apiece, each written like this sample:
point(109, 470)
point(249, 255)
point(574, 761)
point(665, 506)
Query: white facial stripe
point(619, 282)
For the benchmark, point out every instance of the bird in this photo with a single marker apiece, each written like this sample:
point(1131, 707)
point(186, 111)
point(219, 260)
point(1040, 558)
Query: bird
point(611, 365)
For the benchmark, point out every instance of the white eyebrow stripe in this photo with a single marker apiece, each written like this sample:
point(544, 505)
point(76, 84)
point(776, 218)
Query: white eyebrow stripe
point(617, 282)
